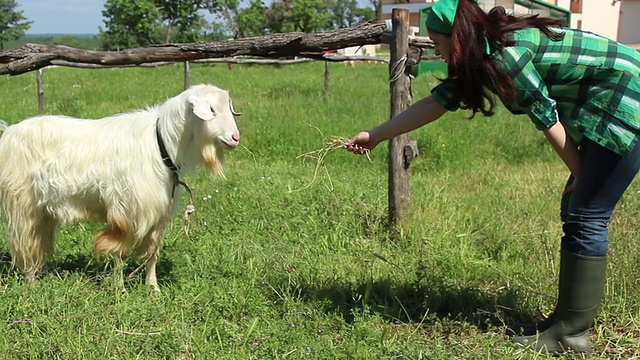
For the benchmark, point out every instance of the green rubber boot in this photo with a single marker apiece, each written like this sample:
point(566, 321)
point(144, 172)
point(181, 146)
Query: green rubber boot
point(581, 289)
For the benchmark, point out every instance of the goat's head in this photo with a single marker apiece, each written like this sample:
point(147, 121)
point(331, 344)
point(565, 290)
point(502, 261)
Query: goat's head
point(214, 126)
point(214, 108)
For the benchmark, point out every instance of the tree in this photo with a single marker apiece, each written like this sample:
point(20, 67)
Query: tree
point(133, 23)
point(377, 8)
point(182, 19)
point(215, 31)
point(13, 24)
point(275, 18)
point(346, 13)
point(129, 24)
point(228, 11)
point(297, 15)
point(67, 40)
point(309, 16)
point(247, 18)
point(251, 21)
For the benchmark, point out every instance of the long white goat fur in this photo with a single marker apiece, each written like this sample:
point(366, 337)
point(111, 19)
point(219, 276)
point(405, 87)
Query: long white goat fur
point(59, 169)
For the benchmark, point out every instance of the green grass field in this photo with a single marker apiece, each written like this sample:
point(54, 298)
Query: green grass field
point(288, 258)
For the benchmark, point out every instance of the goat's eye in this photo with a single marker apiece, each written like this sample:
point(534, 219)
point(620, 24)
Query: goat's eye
point(213, 112)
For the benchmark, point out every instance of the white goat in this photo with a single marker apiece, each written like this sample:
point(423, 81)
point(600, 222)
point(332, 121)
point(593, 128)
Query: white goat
point(122, 170)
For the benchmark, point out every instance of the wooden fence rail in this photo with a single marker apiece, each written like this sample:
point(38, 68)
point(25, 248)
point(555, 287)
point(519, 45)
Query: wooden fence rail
point(31, 57)
point(237, 60)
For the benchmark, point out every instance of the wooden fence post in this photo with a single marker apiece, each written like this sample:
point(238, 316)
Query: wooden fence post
point(40, 82)
point(399, 88)
point(187, 74)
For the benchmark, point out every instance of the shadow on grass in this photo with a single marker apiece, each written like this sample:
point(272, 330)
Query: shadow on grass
point(428, 302)
point(96, 269)
point(93, 269)
point(5, 262)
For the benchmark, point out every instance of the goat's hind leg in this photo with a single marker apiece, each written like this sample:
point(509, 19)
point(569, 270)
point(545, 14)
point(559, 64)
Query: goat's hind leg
point(31, 240)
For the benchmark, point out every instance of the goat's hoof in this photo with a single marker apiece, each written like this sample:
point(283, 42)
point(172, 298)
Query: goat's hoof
point(30, 278)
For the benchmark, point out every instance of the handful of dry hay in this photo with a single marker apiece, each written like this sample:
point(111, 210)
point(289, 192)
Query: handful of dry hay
point(330, 144)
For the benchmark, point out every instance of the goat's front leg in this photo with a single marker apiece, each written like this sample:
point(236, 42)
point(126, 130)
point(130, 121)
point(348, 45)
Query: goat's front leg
point(149, 249)
point(119, 273)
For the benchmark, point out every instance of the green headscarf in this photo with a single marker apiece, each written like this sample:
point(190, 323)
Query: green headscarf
point(441, 16)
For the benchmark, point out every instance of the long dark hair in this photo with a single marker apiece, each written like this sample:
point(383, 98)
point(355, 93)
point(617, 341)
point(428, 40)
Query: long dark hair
point(473, 71)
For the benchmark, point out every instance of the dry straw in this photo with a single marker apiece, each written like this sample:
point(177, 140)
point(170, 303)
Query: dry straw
point(330, 144)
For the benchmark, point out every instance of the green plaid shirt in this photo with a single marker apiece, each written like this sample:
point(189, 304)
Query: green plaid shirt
point(589, 83)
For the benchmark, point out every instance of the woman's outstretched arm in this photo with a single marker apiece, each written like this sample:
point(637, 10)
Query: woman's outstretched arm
point(417, 115)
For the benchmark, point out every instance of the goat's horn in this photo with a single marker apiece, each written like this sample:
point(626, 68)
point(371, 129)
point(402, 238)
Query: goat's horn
point(233, 111)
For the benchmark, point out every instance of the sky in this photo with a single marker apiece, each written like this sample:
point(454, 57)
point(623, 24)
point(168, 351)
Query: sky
point(63, 16)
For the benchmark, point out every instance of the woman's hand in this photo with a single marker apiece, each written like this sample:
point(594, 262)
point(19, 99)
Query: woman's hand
point(417, 115)
point(361, 144)
point(569, 188)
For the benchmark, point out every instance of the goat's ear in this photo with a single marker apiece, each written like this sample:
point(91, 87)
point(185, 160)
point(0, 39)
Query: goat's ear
point(202, 107)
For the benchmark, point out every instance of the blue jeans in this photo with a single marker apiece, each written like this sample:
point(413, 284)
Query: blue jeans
point(586, 211)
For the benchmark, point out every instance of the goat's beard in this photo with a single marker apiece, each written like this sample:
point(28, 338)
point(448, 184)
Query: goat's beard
point(213, 157)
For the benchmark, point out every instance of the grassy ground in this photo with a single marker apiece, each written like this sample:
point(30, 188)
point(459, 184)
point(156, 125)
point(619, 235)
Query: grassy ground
point(286, 259)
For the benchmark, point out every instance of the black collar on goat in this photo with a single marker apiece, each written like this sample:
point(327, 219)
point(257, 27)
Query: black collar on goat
point(166, 159)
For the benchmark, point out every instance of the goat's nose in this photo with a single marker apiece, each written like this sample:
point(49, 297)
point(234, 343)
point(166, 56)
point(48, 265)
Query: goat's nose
point(236, 137)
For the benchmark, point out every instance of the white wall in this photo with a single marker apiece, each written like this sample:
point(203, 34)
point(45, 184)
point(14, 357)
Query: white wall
point(600, 17)
point(629, 26)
